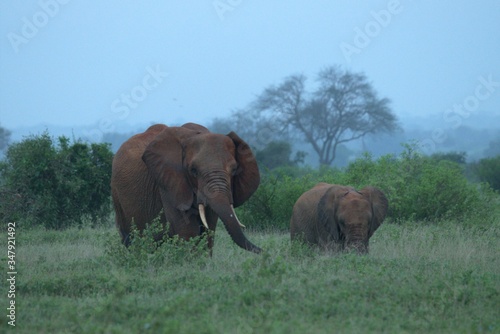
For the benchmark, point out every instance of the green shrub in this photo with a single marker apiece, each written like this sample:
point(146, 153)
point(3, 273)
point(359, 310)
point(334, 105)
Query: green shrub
point(55, 184)
point(270, 206)
point(488, 170)
point(458, 157)
point(420, 187)
point(146, 251)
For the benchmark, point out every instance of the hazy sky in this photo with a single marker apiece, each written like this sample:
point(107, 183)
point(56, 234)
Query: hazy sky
point(103, 62)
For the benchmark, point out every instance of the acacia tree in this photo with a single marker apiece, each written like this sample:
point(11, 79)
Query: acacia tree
point(344, 107)
point(4, 137)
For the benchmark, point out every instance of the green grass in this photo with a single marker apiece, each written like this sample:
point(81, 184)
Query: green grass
point(417, 279)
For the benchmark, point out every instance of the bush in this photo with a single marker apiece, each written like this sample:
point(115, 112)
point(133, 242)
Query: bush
point(488, 170)
point(55, 185)
point(272, 204)
point(147, 252)
point(458, 157)
point(418, 188)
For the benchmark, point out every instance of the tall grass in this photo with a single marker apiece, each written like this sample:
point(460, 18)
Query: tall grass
point(439, 278)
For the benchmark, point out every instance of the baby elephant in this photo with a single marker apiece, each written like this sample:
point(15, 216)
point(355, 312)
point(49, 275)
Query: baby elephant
point(336, 217)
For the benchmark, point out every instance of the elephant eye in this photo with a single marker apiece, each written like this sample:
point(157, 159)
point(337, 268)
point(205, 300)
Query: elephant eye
point(234, 170)
point(194, 171)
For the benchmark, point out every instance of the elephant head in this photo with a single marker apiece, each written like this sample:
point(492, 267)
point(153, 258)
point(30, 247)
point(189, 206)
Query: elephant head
point(202, 176)
point(350, 217)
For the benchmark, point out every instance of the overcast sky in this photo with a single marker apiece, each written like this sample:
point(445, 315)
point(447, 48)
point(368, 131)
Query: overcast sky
point(103, 62)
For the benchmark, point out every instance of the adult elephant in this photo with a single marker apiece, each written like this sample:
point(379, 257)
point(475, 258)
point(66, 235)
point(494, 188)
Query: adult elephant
point(194, 175)
point(338, 217)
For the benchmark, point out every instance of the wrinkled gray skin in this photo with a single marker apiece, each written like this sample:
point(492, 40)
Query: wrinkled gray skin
point(336, 217)
point(177, 169)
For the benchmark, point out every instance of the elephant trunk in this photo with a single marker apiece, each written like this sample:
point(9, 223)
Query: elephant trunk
point(359, 247)
point(357, 239)
point(233, 226)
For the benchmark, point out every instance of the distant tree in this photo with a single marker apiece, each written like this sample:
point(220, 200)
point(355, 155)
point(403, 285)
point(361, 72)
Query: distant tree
point(278, 154)
point(239, 121)
point(344, 156)
point(493, 148)
point(458, 157)
point(344, 107)
point(275, 154)
point(488, 170)
point(4, 138)
point(250, 127)
point(220, 125)
point(116, 139)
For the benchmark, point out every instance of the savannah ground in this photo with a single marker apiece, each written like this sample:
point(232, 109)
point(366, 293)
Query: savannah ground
point(417, 278)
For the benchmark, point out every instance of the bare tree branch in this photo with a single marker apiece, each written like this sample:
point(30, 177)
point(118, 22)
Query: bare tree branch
point(344, 107)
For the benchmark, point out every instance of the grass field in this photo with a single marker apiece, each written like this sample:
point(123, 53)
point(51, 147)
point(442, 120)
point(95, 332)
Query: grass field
point(417, 278)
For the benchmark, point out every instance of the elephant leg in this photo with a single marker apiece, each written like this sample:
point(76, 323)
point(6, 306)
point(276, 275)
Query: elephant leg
point(188, 224)
point(185, 224)
point(125, 237)
point(120, 221)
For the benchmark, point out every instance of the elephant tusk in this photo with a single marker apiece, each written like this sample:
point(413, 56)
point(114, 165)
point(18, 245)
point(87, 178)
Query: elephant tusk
point(201, 208)
point(234, 213)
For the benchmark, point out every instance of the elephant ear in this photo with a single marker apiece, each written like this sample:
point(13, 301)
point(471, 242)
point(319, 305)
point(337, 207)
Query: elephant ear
point(327, 211)
point(247, 178)
point(163, 158)
point(379, 206)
